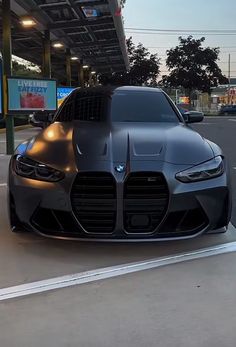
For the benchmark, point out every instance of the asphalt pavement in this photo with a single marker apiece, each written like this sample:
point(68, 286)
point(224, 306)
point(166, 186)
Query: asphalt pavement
point(222, 130)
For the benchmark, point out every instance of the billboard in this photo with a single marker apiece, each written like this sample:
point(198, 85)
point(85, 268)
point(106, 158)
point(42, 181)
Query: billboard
point(62, 93)
point(90, 12)
point(30, 94)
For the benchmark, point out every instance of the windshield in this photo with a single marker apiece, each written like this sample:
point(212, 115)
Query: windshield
point(142, 107)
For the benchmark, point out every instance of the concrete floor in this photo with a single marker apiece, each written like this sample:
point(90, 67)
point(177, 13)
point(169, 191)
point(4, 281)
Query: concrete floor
point(189, 304)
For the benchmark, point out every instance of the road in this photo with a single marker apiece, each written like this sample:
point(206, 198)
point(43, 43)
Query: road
point(222, 130)
point(187, 304)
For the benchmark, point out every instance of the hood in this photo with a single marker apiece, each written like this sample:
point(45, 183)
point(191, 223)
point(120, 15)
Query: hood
point(171, 143)
point(63, 144)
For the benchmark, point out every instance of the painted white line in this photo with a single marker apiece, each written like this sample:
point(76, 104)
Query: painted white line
point(205, 123)
point(216, 117)
point(2, 141)
point(3, 184)
point(109, 272)
point(232, 120)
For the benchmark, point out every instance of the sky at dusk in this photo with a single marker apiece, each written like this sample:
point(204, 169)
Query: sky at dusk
point(183, 15)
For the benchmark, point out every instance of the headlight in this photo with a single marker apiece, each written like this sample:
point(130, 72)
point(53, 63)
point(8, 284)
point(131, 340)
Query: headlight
point(29, 168)
point(205, 171)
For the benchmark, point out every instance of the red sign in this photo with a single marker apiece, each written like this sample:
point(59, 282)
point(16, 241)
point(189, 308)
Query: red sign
point(184, 100)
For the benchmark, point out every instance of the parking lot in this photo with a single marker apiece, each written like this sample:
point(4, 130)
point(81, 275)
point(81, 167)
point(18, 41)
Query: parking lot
point(113, 311)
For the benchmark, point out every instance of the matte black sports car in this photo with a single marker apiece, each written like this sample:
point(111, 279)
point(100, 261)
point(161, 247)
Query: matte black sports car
point(119, 163)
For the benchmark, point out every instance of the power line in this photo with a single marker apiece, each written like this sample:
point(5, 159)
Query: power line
point(179, 33)
point(203, 47)
point(185, 30)
point(206, 32)
point(164, 55)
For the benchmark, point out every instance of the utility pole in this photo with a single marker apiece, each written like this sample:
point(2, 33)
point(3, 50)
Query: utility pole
point(176, 96)
point(229, 77)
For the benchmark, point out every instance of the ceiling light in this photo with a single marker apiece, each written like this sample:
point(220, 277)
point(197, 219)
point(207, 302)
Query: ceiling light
point(85, 66)
point(58, 45)
point(93, 72)
point(27, 22)
point(74, 58)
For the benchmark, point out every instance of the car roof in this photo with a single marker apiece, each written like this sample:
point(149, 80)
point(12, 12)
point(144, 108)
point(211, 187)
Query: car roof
point(109, 90)
point(138, 89)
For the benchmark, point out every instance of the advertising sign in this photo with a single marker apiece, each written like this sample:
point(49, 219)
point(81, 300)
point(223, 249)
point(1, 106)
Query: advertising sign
point(232, 91)
point(26, 95)
point(90, 12)
point(62, 93)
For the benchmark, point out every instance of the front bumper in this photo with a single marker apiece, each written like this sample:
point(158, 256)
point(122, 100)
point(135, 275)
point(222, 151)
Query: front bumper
point(193, 209)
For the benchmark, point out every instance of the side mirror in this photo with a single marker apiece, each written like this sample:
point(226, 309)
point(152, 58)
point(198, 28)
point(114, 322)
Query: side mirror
point(193, 117)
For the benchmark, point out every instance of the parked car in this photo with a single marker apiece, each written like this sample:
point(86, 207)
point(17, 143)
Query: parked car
point(226, 110)
point(39, 119)
point(182, 110)
point(119, 164)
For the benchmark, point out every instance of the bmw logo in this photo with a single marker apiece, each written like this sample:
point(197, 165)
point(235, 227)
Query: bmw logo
point(120, 168)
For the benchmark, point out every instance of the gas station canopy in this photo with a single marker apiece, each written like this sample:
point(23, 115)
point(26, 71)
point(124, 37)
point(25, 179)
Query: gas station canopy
point(88, 30)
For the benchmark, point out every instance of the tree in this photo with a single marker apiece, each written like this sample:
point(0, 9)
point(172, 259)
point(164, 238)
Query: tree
point(193, 67)
point(144, 68)
point(122, 3)
point(28, 70)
